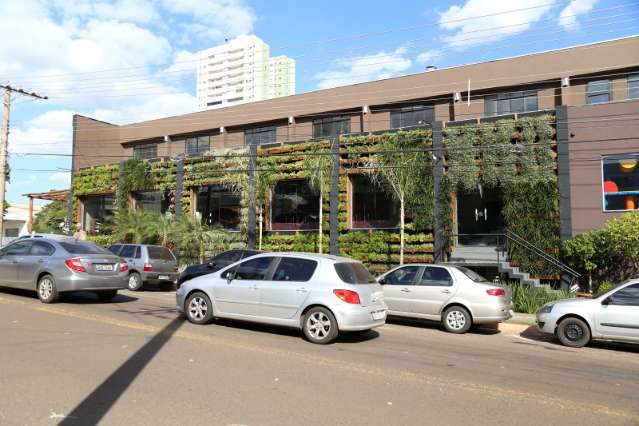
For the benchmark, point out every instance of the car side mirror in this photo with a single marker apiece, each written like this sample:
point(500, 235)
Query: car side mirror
point(230, 277)
point(606, 301)
point(382, 281)
point(211, 265)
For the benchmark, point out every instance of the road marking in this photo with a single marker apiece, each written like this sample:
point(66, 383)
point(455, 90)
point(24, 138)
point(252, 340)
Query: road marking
point(352, 367)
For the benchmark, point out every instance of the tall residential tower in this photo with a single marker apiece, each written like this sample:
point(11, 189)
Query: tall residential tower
point(241, 71)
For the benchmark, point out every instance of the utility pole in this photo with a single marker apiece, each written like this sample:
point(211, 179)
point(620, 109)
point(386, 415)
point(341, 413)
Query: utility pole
point(4, 143)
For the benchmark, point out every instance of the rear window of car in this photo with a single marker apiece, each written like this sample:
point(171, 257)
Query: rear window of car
point(354, 273)
point(115, 249)
point(472, 275)
point(159, 253)
point(83, 248)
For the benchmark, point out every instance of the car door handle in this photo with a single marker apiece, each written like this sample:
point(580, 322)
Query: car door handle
point(446, 291)
point(41, 261)
point(405, 290)
point(301, 290)
point(255, 287)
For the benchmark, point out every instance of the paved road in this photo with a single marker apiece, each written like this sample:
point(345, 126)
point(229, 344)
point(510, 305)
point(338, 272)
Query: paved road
point(135, 362)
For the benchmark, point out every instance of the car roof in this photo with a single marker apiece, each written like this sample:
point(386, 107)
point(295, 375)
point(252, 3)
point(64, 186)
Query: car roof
point(314, 256)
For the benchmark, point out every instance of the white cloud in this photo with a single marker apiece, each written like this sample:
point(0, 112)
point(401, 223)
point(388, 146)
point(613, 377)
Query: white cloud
point(27, 181)
point(568, 16)
point(364, 68)
point(143, 11)
point(429, 56)
point(479, 22)
point(62, 178)
point(214, 20)
point(47, 133)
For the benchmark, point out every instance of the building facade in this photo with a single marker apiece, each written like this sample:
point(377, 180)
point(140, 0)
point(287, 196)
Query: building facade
point(543, 145)
point(242, 71)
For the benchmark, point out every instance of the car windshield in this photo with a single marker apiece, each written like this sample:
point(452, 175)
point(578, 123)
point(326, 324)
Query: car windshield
point(83, 248)
point(354, 273)
point(472, 275)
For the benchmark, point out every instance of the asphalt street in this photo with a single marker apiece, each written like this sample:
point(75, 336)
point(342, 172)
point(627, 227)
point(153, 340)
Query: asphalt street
point(135, 361)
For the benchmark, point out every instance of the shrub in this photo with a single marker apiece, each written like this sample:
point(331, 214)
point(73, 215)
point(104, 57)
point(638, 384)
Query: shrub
point(605, 287)
point(529, 300)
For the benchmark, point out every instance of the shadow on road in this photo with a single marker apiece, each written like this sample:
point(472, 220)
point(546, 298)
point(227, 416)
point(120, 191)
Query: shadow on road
point(487, 329)
point(531, 333)
point(93, 408)
point(81, 297)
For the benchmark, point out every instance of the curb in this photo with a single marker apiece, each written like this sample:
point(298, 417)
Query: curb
point(516, 328)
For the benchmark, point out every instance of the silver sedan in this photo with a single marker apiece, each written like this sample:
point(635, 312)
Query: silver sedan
point(57, 265)
point(322, 295)
point(611, 316)
point(454, 295)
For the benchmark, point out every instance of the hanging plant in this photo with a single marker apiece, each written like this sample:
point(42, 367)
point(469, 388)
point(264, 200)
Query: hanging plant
point(136, 176)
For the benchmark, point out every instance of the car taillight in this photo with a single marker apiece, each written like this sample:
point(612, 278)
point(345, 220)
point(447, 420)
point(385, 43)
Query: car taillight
point(124, 266)
point(347, 296)
point(496, 292)
point(75, 264)
point(148, 267)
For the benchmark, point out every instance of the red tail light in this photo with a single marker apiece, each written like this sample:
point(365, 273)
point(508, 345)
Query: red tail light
point(124, 266)
point(75, 264)
point(347, 296)
point(148, 267)
point(496, 292)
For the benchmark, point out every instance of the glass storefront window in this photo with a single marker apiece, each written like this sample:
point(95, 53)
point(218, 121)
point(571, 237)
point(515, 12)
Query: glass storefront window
point(620, 182)
point(98, 210)
point(217, 206)
point(371, 207)
point(294, 206)
point(151, 202)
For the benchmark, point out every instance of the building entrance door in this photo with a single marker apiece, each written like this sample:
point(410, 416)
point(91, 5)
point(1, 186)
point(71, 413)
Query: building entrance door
point(479, 213)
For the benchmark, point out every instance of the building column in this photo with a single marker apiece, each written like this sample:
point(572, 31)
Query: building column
point(179, 186)
point(252, 219)
point(563, 171)
point(334, 199)
point(30, 219)
point(438, 173)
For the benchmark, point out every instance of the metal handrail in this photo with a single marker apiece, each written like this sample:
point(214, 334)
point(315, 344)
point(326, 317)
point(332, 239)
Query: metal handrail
point(517, 239)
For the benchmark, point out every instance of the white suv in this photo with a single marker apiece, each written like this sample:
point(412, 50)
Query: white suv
point(611, 316)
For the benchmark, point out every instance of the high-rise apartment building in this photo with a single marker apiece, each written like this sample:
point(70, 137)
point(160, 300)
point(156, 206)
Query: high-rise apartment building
point(241, 71)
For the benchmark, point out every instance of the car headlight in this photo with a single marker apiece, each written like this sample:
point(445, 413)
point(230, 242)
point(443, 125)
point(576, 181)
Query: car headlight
point(546, 309)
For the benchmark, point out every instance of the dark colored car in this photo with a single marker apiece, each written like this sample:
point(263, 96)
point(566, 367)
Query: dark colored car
point(214, 264)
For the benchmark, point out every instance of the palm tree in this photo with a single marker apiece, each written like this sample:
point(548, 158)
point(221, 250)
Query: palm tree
point(164, 229)
point(134, 226)
point(194, 233)
point(264, 182)
point(319, 163)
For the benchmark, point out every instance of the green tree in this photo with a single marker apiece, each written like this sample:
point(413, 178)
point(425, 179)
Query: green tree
point(50, 219)
point(134, 227)
point(164, 228)
point(194, 233)
point(396, 167)
point(264, 182)
point(319, 163)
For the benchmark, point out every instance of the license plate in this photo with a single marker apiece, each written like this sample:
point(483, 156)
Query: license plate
point(163, 277)
point(378, 315)
point(107, 267)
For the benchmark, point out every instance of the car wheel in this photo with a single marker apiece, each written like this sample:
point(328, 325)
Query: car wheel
point(457, 320)
point(47, 291)
point(106, 295)
point(320, 326)
point(135, 281)
point(198, 308)
point(573, 332)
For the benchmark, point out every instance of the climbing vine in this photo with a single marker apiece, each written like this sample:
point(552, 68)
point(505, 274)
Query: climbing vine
point(136, 175)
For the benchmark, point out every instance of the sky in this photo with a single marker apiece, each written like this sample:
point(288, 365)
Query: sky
point(125, 61)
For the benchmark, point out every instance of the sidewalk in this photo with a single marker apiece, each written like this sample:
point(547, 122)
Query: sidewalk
point(523, 319)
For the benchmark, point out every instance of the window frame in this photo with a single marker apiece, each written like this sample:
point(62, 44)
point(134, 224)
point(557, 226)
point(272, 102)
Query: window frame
point(223, 191)
point(321, 122)
point(590, 93)
point(146, 146)
point(633, 78)
point(416, 276)
point(50, 247)
point(420, 283)
point(292, 226)
point(259, 132)
point(373, 224)
point(163, 204)
point(611, 298)
point(199, 142)
point(268, 274)
point(28, 243)
point(502, 97)
point(295, 259)
point(398, 113)
point(603, 193)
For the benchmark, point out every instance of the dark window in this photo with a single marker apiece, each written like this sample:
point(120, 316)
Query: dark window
point(472, 275)
point(628, 296)
point(83, 248)
point(402, 276)
point(510, 103)
point(620, 182)
point(260, 135)
point(371, 206)
point(197, 145)
point(145, 152)
point(217, 206)
point(438, 277)
point(128, 251)
point(331, 127)
point(354, 273)
point(213, 103)
point(40, 248)
point(159, 253)
point(598, 91)
point(294, 206)
point(115, 248)
point(98, 210)
point(11, 232)
point(17, 249)
point(633, 86)
point(290, 269)
point(227, 257)
point(418, 115)
point(254, 269)
point(151, 202)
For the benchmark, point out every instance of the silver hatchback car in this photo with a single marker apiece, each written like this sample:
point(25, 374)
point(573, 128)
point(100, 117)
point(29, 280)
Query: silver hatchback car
point(454, 295)
point(53, 266)
point(613, 315)
point(148, 264)
point(320, 294)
